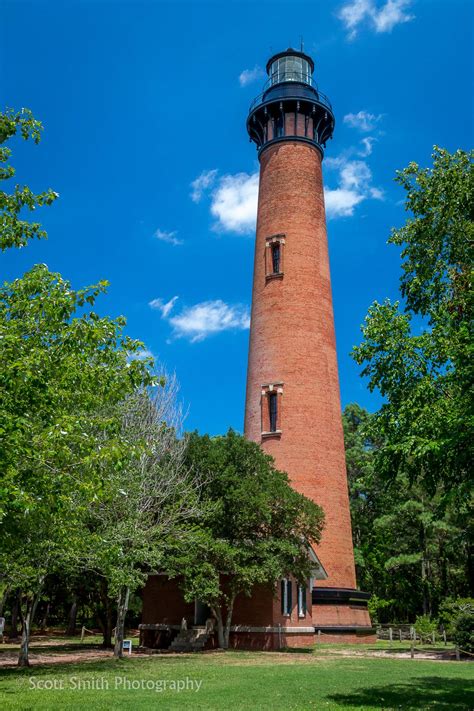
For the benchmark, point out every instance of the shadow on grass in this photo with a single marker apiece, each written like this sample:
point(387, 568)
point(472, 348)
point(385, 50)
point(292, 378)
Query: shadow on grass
point(107, 665)
point(419, 693)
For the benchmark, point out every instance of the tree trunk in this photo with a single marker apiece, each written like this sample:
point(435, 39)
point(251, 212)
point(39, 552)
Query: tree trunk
point(216, 611)
point(44, 621)
point(228, 622)
point(27, 620)
point(71, 625)
point(122, 608)
point(23, 657)
point(424, 585)
point(105, 616)
point(15, 615)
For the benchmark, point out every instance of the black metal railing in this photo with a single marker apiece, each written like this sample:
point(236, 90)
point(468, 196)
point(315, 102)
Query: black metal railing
point(290, 78)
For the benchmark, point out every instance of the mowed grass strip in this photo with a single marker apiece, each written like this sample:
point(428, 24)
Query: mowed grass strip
point(241, 680)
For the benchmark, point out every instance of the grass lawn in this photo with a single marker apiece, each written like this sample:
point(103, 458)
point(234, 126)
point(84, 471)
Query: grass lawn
point(242, 680)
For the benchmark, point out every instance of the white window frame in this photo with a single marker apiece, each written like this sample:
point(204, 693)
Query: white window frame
point(301, 592)
point(286, 611)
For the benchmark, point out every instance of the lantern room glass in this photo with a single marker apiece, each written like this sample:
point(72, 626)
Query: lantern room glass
point(290, 68)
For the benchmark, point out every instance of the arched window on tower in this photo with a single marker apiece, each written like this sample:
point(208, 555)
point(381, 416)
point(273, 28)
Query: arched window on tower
point(271, 410)
point(274, 256)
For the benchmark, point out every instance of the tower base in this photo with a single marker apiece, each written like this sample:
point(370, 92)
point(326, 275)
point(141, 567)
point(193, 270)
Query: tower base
point(340, 615)
point(332, 615)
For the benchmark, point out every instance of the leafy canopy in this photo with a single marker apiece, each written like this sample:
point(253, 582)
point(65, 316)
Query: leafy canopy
point(14, 230)
point(258, 529)
point(421, 358)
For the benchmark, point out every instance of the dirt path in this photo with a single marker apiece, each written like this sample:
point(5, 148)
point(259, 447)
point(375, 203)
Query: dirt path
point(426, 654)
point(9, 658)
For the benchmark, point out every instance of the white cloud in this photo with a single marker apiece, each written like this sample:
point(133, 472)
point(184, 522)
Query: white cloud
point(202, 183)
point(381, 18)
point(248, 76)
point(354, 186)
point(234, 203)
point(341, 202)
point(367, 149)
point(391, 14)
point(363, 120)
point(164, 308)
point(233, 199)
point(169, 237)
point(377, 194)
point(204, 319)
point(353, 13)
point(201, 320)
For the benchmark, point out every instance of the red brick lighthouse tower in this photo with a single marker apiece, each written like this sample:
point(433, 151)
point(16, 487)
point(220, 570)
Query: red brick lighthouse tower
point(293, 405)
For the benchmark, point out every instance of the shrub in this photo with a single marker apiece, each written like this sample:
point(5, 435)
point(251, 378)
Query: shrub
point(425, 626)
point(451, 609)
point(376, 605)
point(464, 632)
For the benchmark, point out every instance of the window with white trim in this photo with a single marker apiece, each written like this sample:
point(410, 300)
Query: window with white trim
point(286, 597)
point(274, 256)
point(301, 600)
point(271, 406)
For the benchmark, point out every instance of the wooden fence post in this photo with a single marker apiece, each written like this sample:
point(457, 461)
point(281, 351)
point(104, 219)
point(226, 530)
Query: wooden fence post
point(82, 633)
point(412, 649)
point(390, 635)
point(458, 656)
point(400, 634)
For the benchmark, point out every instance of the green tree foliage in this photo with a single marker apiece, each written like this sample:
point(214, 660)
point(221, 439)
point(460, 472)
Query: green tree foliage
point(420, 358)
point(257, 532)
point(412, 548)
point(425, 626)
point(60, 372)
point(63, 368)
point(464, 632)
point(15, 231)
point(452, 608)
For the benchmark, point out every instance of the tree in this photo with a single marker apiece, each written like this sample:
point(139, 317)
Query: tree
point(419, 359)
point(58, 373)
point(411, 547)
point(62, 370)
point(14, 231)
point(257, 531)
point(148, 499)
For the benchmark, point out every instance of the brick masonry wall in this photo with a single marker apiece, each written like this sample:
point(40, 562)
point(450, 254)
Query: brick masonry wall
point(340, 615)
point(292, 340)
point(163, 602)
point(263, 609)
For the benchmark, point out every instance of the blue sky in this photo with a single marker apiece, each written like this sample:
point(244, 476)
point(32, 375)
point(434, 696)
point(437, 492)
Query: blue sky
point(144, 107)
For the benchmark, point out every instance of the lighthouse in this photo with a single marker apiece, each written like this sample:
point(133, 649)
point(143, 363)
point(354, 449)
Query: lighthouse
point(293, 405)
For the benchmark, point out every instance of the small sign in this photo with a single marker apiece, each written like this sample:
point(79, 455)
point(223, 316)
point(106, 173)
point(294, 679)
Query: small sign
point(127, 645)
